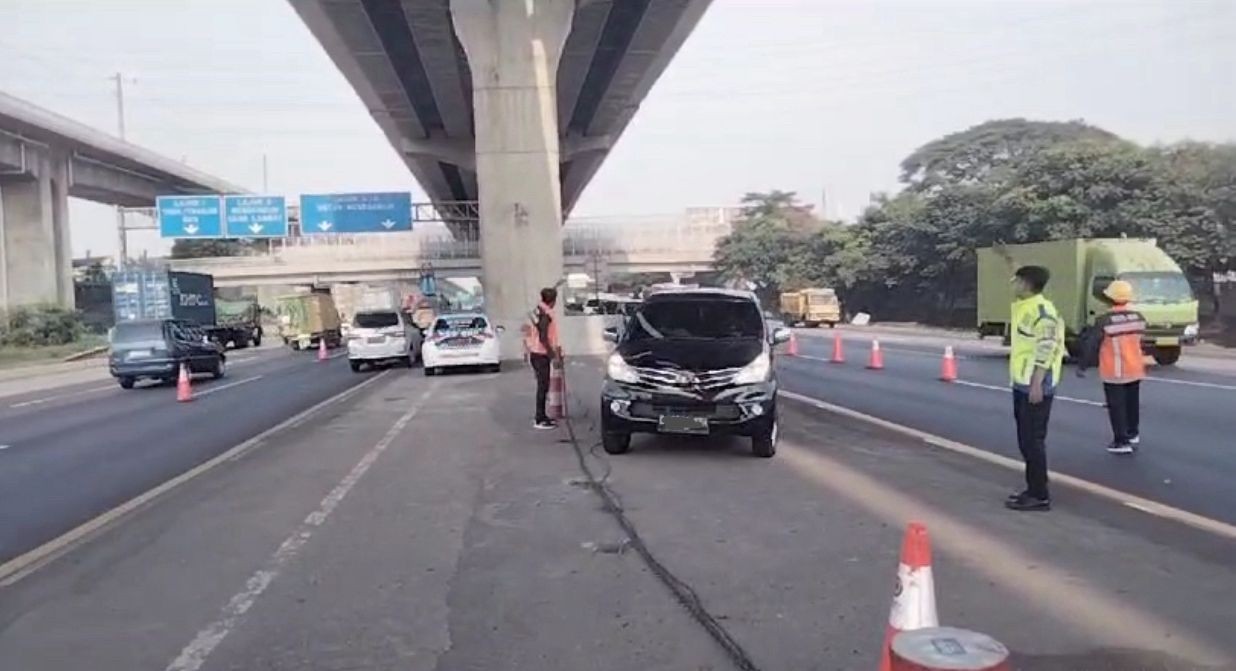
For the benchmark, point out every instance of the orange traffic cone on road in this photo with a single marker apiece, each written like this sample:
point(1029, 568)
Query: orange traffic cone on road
point(914, 597)
point(838, 353)
point(322, 355)
point(184, 388)
point(877, 356)
point(792, 350)
point(555, 401)
point(948, 366)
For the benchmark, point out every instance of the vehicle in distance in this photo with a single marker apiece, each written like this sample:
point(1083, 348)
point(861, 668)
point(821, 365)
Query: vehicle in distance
point(692, 362)
point(306, 319)
point(1080, 271)
point(155, 349)
point(186, 297)
point(382, 335)
point(462, 340)
point(811, 307)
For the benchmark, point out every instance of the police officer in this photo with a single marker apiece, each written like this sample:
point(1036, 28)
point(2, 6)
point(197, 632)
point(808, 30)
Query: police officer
point(1114, 343)
point(541, 342)
point(1035, 363)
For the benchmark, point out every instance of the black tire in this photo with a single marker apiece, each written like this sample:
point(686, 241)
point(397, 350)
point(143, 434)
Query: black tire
point(219, 369)
point(410, 361)
point(356, 366)
point(295, 345)
point(764, 444)
point(832, 325)
point(1166, 356)
point(257, 339)
point(496, 368)
point(430, 371)
point(615, 442)
point(126, 382)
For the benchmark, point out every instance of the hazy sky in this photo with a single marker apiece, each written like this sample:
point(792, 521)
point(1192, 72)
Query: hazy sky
point(804, 95)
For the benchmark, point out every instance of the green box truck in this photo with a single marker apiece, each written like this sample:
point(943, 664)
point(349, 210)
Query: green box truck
point(1080, 270)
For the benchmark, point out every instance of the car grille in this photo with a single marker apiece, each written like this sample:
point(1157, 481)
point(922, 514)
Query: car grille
point(723, 411)
point(687, 380)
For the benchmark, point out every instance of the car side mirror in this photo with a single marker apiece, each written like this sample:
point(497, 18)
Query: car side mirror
point(610, 334)
point(780, 335)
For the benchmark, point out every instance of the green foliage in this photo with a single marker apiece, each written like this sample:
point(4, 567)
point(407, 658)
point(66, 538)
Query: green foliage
point(39, 327)
point(196, 249)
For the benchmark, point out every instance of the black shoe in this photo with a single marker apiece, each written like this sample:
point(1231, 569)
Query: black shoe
point(1027, 502)
point(545, 424)
point(1017, 495)
point(1120, 448)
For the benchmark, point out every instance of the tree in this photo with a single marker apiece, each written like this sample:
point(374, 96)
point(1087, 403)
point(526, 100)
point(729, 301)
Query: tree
point(984, 152)
point(770, 233)
point(196, 249)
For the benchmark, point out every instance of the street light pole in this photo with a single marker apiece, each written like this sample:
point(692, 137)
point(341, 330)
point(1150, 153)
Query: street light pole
point(122, 252)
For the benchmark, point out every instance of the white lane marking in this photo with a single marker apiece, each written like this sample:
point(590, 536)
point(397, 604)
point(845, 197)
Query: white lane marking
point(993, 387)
point(4, 447)
point(49, 399)
point(212, 389)
point(1131, 500)
point(195, 653)
point(1191, 383)
point(23, 565)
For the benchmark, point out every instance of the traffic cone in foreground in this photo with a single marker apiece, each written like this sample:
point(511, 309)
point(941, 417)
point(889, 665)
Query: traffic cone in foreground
point(948, 366)
point(914, 598)
point(184, 388)
point(838, 353)
point(322, 356)
point(555, 403)
point(792, 350)
point(948, 649)
point(877, 357)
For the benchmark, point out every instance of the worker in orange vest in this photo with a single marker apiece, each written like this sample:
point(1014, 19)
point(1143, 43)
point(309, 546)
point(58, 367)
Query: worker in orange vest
point(542, 345)
point(1114, 343)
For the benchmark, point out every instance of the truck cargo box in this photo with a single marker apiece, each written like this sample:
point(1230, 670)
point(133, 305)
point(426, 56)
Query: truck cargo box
point(160, 294)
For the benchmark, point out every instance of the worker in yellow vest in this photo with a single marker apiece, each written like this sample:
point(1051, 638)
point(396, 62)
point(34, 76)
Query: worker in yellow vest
point(1035, 364)
point(541, 342)
point(1114, 344)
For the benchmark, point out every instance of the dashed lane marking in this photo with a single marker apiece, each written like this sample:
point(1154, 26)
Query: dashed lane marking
point(1130, 500)
point(216, 388)
point(992, 387)
point(57, 397)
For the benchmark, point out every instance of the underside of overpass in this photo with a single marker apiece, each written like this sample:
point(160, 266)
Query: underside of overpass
point(512, 103)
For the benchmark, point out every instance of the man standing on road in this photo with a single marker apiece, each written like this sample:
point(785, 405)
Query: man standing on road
point(1035, 363)
point(541, 341)
point(1115, 344)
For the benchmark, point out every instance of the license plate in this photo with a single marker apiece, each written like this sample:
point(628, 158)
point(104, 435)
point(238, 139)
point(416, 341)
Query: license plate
point(674, 424)
point(1167, 342)
point(376, 340)
point(140, 354)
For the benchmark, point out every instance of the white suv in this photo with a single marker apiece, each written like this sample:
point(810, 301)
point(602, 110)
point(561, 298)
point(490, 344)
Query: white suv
point(383, 336)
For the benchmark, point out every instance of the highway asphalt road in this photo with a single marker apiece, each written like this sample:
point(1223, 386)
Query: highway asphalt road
point(70, 453)
point(1186, 459)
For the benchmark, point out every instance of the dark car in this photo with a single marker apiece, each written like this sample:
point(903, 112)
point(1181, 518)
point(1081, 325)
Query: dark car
point(693, 362)
point(155, 349)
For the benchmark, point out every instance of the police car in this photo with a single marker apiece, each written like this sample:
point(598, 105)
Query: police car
point(461, 340)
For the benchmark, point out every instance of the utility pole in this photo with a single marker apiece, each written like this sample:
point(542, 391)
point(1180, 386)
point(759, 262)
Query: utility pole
point(122, 253)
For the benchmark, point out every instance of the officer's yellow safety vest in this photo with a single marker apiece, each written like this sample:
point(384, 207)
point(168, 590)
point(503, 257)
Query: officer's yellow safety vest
point(1037, 336)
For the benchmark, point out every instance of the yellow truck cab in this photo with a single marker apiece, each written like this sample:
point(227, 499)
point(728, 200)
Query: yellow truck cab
point(811, 307)
point(1080, 271)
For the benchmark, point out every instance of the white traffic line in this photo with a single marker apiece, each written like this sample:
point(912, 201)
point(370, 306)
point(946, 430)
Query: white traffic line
point(993, 387)
point(57, 397)
point(214, 388)
point(23, 565)
point(4, 447)
point(1191, 383)
point(195, 653)
point(1129, 500)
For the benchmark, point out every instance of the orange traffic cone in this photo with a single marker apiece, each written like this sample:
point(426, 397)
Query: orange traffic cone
point(948, 648)
point(838, 354)
point(877, 357)
point(322, 356)
point(793, 348)
point(555, 401)
point(948, 367)
point(914, 598)
point(184, 388)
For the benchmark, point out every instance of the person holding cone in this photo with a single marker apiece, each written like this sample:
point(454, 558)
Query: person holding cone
point(541, 342)
point(1035, 362)
point(1114, 344)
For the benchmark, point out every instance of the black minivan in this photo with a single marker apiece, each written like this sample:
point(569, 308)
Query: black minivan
point(693, 362)
point(154, 349)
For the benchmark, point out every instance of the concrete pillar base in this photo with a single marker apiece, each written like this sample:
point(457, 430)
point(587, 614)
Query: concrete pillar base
point(35, 252)
point(513, 49)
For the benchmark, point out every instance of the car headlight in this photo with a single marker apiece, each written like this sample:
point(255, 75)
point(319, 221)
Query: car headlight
point(755, 372)
point(1191, 331)
point(619, 370)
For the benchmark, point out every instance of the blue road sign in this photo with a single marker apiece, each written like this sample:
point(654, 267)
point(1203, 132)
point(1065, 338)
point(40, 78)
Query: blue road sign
point(255, 216)
point(355, 212)
point(190, 216)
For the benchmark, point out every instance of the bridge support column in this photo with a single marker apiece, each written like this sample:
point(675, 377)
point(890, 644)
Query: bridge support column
point(513, 48)
point(36, 258)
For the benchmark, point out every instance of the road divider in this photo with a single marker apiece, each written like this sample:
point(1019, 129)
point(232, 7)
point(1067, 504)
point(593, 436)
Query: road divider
point(1199, 522)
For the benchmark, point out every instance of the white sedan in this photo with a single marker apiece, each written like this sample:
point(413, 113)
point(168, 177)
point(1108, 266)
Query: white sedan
point(458, 340)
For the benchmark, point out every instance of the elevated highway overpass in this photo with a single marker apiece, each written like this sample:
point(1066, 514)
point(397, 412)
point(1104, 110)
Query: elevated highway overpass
point(513, 104)
point(44, 159)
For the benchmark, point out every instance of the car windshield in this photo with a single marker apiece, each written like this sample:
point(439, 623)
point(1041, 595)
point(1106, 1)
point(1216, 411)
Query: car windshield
point(137, 332)
point(695, 318)
point(376, 320)
point(1159, 287)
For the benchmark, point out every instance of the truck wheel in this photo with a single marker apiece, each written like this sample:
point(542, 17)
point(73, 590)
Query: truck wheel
point(1166, 356)
point(832, 325)
point(295, 345)
point(126, 382)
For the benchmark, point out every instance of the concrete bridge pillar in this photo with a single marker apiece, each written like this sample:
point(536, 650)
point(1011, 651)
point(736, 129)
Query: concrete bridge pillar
point(513, 48)
point(36, 258)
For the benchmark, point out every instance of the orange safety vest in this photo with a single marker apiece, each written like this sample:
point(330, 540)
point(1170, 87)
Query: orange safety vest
point(1120, 354)
point(532, 339)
